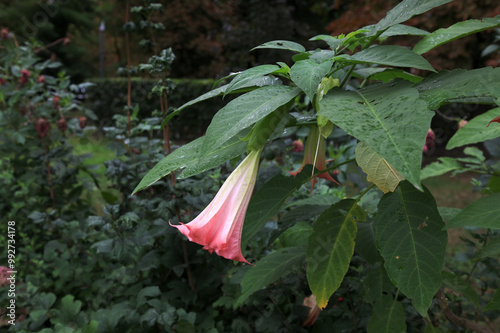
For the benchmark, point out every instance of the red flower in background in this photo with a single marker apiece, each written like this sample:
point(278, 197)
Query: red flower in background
point(42, 127)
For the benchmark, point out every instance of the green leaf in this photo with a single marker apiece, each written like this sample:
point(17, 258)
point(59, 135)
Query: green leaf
point(411, 240)
point(390, 74)
point(333, 42)
point(461, 86)
point(490, 250)
point(388, 316)
point(151, 291)
point(403, 30)
point(365, 243)
point(190, 157)
point(406, 10)
point(296, 235)
point(388, 55)
point(331, 247)
point(218, 155)
point(448, 213)
point(177, 159)
point(483, 213)
point(457, 30)
point(258, 82)
point(268, 200)
point(476, 130)
point(458, 285)
point(245, 111)
point(307, 75)
point(495, 302)
point(377, 169)
point(242, 79)
point(282, 45)
point(440, 167)
point(272, 267)
point(69, 307)
point(386, 74)
point(389, 118)
point(474, 152)
point(91, 327)
point(375, 282)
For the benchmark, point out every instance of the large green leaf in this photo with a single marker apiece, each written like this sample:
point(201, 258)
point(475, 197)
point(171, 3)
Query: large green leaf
point(268, 200)
point(375, 282)
point(307, 74)
point(406, 10)
point(218, 155)
point(331, 247)
point(245, 111)
point(272, 267)
point(188, 157)
point(366, 246)
point(483, 213)
point(388, 55)
point(249, 85)
point(386, 74)
point(377, 169)
point(411, 240)
point(457, 30)
point(282, 45)
point(475, 86)
point(388, 316)
point(477, 130)
point(389, 118)
point(440, 167)
point(251, 74)
point(177, 159)
point(403, 30)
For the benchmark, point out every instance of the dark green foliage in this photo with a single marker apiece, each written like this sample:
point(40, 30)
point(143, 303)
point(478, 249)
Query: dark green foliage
point(108, 97)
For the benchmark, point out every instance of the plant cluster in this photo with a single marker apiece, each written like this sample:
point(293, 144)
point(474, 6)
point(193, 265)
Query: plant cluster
point(394, 225)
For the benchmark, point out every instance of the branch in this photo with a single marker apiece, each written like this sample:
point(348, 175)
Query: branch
point(455, 319)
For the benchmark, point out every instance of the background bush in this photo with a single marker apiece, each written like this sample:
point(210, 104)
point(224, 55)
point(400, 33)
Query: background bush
point(108, 97)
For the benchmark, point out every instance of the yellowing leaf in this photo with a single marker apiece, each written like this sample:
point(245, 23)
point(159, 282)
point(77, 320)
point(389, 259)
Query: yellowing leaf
point(377, 169)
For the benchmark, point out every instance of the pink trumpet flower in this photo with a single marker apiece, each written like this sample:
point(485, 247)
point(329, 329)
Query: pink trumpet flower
point(314, 154)
point(218, 227)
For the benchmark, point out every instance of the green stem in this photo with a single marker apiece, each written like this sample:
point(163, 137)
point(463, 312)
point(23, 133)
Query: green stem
point(336, 166)
point(347, 76)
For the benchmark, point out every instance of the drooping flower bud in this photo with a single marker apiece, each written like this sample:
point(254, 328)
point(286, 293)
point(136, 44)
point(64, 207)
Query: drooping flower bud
point(429, 141)
point(55, 101)
point(298, 146)
point(42, 127)
point(82, 121)
point(4, 34)
point(314, 154)
point(62, 125)
point(462, 123)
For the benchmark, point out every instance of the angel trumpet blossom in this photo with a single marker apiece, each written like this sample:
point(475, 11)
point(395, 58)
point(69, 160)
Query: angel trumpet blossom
point(218, 227)
point(314, 154)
